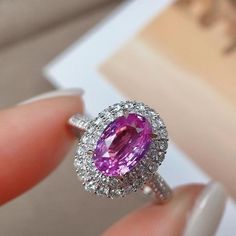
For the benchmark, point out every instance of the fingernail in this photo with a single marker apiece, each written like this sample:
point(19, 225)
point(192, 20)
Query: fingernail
point(207, 211)
point(55, 93)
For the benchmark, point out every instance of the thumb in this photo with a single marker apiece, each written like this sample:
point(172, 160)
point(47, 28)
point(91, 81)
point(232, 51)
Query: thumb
point(193, 211)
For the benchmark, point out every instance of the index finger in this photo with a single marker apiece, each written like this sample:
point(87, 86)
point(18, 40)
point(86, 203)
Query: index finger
point(34, 138)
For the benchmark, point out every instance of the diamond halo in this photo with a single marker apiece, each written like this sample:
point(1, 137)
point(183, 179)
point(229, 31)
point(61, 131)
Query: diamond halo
point(110, 186)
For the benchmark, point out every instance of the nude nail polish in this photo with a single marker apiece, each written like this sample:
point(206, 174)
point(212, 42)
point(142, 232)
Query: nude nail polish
point(207, 211)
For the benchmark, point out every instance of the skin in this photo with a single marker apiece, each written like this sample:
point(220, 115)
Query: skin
point(42, 138)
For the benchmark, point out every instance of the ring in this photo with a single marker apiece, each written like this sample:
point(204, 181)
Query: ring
point(120, 151)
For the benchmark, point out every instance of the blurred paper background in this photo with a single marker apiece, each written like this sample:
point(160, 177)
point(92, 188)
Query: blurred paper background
point(164, 57)
point(138, 36)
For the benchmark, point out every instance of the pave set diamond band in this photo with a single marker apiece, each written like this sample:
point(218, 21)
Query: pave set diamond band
point(120, 150)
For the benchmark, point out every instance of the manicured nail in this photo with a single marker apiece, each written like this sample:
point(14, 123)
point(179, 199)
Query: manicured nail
point(207, 211)
point(55, 93)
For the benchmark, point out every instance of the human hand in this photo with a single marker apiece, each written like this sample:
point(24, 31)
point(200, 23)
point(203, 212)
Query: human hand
point(40, 138)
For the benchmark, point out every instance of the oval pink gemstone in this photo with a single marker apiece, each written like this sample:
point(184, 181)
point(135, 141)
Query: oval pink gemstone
point(122, 144)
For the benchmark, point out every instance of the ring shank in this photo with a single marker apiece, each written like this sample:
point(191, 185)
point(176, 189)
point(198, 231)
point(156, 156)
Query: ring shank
point(79, 122)
point(160, 188)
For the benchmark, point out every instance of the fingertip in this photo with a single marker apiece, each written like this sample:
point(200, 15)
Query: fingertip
point(167, 219)
point(34, 139)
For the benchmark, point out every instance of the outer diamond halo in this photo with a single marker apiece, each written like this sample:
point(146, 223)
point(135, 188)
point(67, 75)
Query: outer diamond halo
point(121, 149)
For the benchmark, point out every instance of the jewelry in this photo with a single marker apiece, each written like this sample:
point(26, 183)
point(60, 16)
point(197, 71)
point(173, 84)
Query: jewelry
point(120, 151)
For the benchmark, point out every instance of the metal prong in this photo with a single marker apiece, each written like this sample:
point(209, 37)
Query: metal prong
point(154, 136)
point(90, 152)
point(126, 113)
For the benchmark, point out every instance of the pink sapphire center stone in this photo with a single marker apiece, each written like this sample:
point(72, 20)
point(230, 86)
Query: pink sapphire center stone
point(122, 144)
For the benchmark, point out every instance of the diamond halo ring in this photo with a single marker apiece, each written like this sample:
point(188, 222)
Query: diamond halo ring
point(120, 151)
